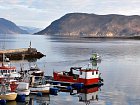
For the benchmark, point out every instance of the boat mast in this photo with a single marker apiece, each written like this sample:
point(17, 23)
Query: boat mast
point(3, 55)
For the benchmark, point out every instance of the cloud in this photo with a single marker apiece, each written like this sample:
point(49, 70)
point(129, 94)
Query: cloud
point(41, 13)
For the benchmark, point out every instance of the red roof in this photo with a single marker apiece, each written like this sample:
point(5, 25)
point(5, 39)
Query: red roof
point(7, 68)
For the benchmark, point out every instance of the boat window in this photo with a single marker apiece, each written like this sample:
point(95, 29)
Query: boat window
point(93, 73)
point(92, 97)
point(8, 71)
point(4, 71)
point(96, 72)
point(80, 72)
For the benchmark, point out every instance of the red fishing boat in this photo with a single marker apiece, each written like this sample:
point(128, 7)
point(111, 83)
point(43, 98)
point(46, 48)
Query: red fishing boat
point(8, 74)
point(86, 76)
point(7, 70)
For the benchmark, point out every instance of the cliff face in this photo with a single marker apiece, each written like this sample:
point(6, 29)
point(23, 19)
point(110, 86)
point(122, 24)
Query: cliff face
point(8, 27)
point(91, 25)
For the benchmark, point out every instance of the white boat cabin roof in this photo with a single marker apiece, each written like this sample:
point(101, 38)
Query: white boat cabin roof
point(83, 70)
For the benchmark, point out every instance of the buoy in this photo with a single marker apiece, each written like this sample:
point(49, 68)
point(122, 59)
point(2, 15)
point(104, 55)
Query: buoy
point(78, 85)
point(2, 102)
point(55, 83)
point(20, 98)
point(39, 94)
point(53, 91)
point(69, 87)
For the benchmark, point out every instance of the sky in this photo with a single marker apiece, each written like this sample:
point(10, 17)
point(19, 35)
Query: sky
point(40, 13)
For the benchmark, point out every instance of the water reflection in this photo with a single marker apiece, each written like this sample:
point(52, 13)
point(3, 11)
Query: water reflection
point(39, 100)
point(87, 95)
point(11, 103)
point(119, 67)
point(32, 100)
point(26, 102)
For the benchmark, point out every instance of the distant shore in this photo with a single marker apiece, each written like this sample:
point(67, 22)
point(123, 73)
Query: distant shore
point(131, 37)
point(95, 37)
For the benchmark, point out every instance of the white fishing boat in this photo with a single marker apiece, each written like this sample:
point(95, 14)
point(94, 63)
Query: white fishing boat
point(35, 77)
point(38, 84)
point(40, 88)
point(33, 70)
point(23, 88)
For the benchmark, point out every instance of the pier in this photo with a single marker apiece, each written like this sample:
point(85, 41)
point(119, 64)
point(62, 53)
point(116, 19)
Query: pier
point(21, 53)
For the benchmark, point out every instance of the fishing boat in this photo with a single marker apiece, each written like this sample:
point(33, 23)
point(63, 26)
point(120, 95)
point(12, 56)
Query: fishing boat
point(95, 57)
point(23, 88)
point(33, 70)
point(38, 84)
point(78, 75)
point(35, 77)
point(7, 70)
point(40, 89)
point(11, 96)
point(6, 93)
point(9, 75)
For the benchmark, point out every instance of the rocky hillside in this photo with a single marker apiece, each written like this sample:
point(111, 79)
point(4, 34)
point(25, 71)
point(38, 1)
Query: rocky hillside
point(92, 25)
point(8, 27)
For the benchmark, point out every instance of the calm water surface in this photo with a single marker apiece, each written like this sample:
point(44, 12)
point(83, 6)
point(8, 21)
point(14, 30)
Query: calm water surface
point(120, 66)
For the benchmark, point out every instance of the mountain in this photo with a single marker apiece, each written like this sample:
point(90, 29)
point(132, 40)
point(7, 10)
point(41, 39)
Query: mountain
point(30, 30)
point(92, 25)
point(8, 27)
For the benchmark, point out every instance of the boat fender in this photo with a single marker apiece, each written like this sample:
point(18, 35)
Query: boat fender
point(78, 85)
point(54, 91)
point(2, 102)
point(39, 94)
point(101, 80)
point(20, 98)
point(69, 87)
point(55, 83)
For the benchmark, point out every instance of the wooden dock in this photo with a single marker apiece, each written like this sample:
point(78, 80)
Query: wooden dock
point(21, 53)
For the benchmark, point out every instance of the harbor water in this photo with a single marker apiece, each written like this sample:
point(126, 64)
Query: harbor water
point(119, 67)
